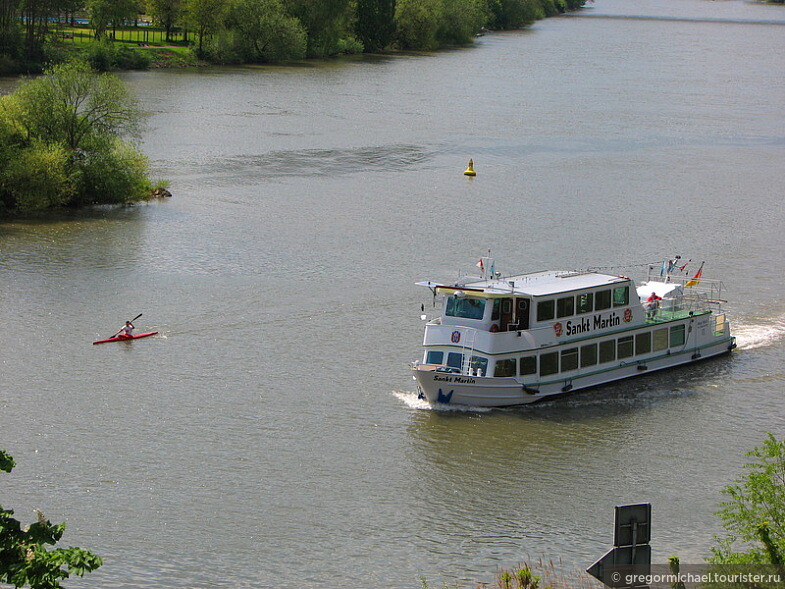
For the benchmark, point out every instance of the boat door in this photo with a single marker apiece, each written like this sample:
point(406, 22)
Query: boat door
point(522, 313)
point(506, 314)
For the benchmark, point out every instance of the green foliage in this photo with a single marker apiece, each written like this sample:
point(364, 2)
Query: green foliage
point(512, 14)
point(461, 20)
point(38, 177)
point(104, 56)
point(206, 17)
point(429, 24)
point(73, 105)
point(115, 173)
point(754, 513)
point(265, 32)
point(24, 558)
point(60, 142)
point(418, 23)
point(375, 25)
point(326, 23)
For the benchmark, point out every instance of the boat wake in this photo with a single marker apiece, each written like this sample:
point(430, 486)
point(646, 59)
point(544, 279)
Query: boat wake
point(758, 335)
point(413, 402)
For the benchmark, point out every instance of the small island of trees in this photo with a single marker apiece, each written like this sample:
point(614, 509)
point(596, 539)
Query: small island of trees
point(63, 142)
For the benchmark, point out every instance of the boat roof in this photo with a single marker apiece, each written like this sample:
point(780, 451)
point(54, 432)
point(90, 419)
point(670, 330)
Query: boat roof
point(533, 284)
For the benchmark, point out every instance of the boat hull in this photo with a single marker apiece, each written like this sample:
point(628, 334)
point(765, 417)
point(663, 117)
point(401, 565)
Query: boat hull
point(126, 338)
point(441, 388)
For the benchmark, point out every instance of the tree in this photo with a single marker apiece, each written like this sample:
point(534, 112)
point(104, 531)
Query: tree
point(24, 558)
point(264, 32)
point(166, 13)
point(206, 17)
point(375, 26)
point(61, 142)
point(325, 21)
point(106, 13)
point(418, 23)
point(754, 513)
point(73, 105)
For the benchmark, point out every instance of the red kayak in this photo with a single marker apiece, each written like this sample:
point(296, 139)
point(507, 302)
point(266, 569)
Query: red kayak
point(124, 338)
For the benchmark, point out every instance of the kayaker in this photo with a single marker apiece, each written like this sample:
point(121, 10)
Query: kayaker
point(127, 329)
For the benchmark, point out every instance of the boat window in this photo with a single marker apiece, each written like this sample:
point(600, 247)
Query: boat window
point(496, 306)
point(481, 363)
point(624, 348)
point(569, 359)
point(602, 300)
point(660, 339)
point(545, 310)
point(434, 357)
point(549, 363)
point(608, 351)
point(621, 296)
point(528, 365)
point(677, 335)
point(585, 303)
point(466, 308)
point(505, 367)
point(643, 343)
point(455, 360)
point(588, 355)
point(565, 307)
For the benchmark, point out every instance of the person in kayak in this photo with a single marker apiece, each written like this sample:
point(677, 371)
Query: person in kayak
point(127, 329)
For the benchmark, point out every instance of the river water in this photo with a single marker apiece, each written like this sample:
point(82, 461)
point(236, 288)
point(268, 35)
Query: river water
point(270, 436)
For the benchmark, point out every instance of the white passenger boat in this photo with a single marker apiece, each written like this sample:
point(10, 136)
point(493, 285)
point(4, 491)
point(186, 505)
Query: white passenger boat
point(512, 340)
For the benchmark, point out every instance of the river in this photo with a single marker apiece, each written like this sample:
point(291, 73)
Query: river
point(270, 435)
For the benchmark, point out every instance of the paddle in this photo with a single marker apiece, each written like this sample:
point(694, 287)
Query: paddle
point(132, 320)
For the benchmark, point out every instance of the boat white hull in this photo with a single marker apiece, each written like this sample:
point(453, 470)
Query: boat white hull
point(476, 391)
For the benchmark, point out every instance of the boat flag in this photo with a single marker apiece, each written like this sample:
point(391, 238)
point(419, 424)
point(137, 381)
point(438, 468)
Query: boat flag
point(695, 279)
point(684, 265)
point(481, 266)
point(663, 267)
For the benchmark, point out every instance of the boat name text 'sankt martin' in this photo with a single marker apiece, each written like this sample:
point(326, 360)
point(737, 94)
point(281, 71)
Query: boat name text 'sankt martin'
point(512, 340)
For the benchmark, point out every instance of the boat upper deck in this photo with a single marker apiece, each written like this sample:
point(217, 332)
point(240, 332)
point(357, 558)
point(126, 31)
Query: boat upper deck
point(533, 284)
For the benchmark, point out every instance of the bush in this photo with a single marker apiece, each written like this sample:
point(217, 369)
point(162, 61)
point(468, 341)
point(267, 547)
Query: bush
point(115, 174)
point(38, 177)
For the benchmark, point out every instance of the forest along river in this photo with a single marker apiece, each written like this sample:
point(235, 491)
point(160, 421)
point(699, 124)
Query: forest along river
point(271, 436)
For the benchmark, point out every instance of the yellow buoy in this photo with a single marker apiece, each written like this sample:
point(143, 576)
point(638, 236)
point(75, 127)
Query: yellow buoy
point(470, 170)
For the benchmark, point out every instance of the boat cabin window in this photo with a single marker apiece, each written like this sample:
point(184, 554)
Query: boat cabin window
point(465, 307)
point(546, 310)
point(455, 360)
point(497, 303)
point(660, 339)
point(588, 355)
point(569, 359)
point(608, 350)
point(621, 296)
point(505, 367)
point(528, 365)
point(479, 362)
point(549, 363)
point(585, 303)
point(565, 307)
point(643, 343)
point(624, 347)
point(677, 335)
point(434, 357)
point(602, 300)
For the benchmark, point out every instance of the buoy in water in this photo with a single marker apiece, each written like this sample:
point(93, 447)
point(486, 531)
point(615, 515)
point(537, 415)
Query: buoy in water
point(470, 170)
